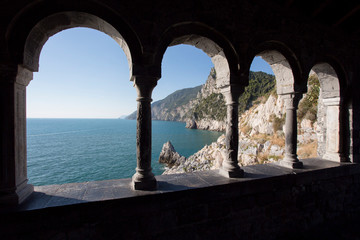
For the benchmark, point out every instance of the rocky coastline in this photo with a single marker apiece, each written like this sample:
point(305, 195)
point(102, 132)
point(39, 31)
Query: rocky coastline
point(261, 140)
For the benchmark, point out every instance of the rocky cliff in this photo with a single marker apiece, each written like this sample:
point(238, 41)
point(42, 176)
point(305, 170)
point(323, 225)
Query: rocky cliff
point(203, 107)
point(174, 107)
point(261, 135)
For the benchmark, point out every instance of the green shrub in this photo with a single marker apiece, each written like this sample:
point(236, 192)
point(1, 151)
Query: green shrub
point(212, 106)
point(308, 106)
point(260, 84)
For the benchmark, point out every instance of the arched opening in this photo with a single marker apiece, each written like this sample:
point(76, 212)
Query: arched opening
point(328, 112)
point(261, 117)
point(205, 111)
point(74, 103)
point(283, 72)
point(65, 20)
point(214, 51)
point(16, 165)
point(308, 121)
point(283, 120)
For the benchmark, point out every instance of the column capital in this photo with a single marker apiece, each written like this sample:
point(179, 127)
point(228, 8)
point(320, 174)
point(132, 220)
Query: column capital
point(291, 100)
point(24, 76)
point(13, 73)
point(144, 86)
point(232, 93)
point(335, 101)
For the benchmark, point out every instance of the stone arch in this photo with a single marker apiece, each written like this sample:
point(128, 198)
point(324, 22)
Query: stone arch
point(330, 113)
point(38, 21)
point(25, 39)
point(329, 81)
point(289, 86)
point(219, 49)
point(55, 23)
point(282, 70)
point(228, 78)
point(284, 74)
point(283, 62)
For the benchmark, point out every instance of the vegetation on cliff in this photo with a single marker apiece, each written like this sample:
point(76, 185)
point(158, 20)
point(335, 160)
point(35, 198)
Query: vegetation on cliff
point(309, 104)
point(161, 109)
point(260, 84)
point(213, 106)
point(261, 136)
point(178, 98)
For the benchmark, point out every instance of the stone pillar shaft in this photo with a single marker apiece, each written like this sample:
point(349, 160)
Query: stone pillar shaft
point(230, 166)
point(335, 130)
point(144, 179)
point(14, 187)
point(291, 104)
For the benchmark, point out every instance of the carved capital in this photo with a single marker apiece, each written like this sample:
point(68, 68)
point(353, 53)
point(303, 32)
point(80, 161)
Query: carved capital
point(335, 101)
point(232, 93)
point(144, 87)
point(24, 76)
point(15, 74)
point(291, 100)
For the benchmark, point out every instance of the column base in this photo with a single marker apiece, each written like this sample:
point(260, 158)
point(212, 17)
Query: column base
point(291, 164)
point(239, 173)
point(17, 197)
point(146, 184)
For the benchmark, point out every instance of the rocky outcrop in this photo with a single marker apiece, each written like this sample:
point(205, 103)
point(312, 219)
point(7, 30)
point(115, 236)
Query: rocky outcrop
point(200, 113)
point(209, 157)
point(261, 118)
point(191, 124)
point(206, 124)
point(169, 156)
point(212, 156)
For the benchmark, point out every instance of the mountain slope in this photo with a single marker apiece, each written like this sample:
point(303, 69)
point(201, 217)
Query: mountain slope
point(162, 109)
point(203, 107)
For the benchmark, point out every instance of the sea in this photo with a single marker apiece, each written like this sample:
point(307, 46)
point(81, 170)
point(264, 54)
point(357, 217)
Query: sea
point(78, 150)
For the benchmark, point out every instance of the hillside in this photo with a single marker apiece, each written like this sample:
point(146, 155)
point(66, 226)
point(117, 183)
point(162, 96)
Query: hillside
point(261, 135)
point(162, 109)
point(203, 107)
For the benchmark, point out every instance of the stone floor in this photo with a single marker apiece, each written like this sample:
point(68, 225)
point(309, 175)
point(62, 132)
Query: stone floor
point(77, 193)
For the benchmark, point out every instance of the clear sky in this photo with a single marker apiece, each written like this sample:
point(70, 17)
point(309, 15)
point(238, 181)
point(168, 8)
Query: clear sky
point(84, 74)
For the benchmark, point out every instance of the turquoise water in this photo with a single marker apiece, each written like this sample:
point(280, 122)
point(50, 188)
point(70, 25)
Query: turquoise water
point(78, 150)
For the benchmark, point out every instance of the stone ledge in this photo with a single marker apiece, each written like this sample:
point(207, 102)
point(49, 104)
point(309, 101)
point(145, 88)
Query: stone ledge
point(257, 178)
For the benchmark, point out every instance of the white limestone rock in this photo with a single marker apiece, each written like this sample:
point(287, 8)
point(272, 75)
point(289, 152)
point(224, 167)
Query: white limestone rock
point(259, 117)
point(210, 124)
point(276, 150)
point(250, 151)
point(169, 156)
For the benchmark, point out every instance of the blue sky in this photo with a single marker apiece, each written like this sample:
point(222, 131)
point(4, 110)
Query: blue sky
point(84, 74)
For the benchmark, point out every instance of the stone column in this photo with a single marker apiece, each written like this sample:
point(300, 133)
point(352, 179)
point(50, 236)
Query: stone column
point(144, 179)
point(334, 147)
point(350, 141)
point(14, 187)
point(291, 104)
point(230, 166)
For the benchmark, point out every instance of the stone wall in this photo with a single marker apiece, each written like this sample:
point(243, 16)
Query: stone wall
point(279, 206)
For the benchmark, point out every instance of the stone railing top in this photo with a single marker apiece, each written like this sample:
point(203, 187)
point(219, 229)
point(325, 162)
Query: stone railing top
point(78, 193)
